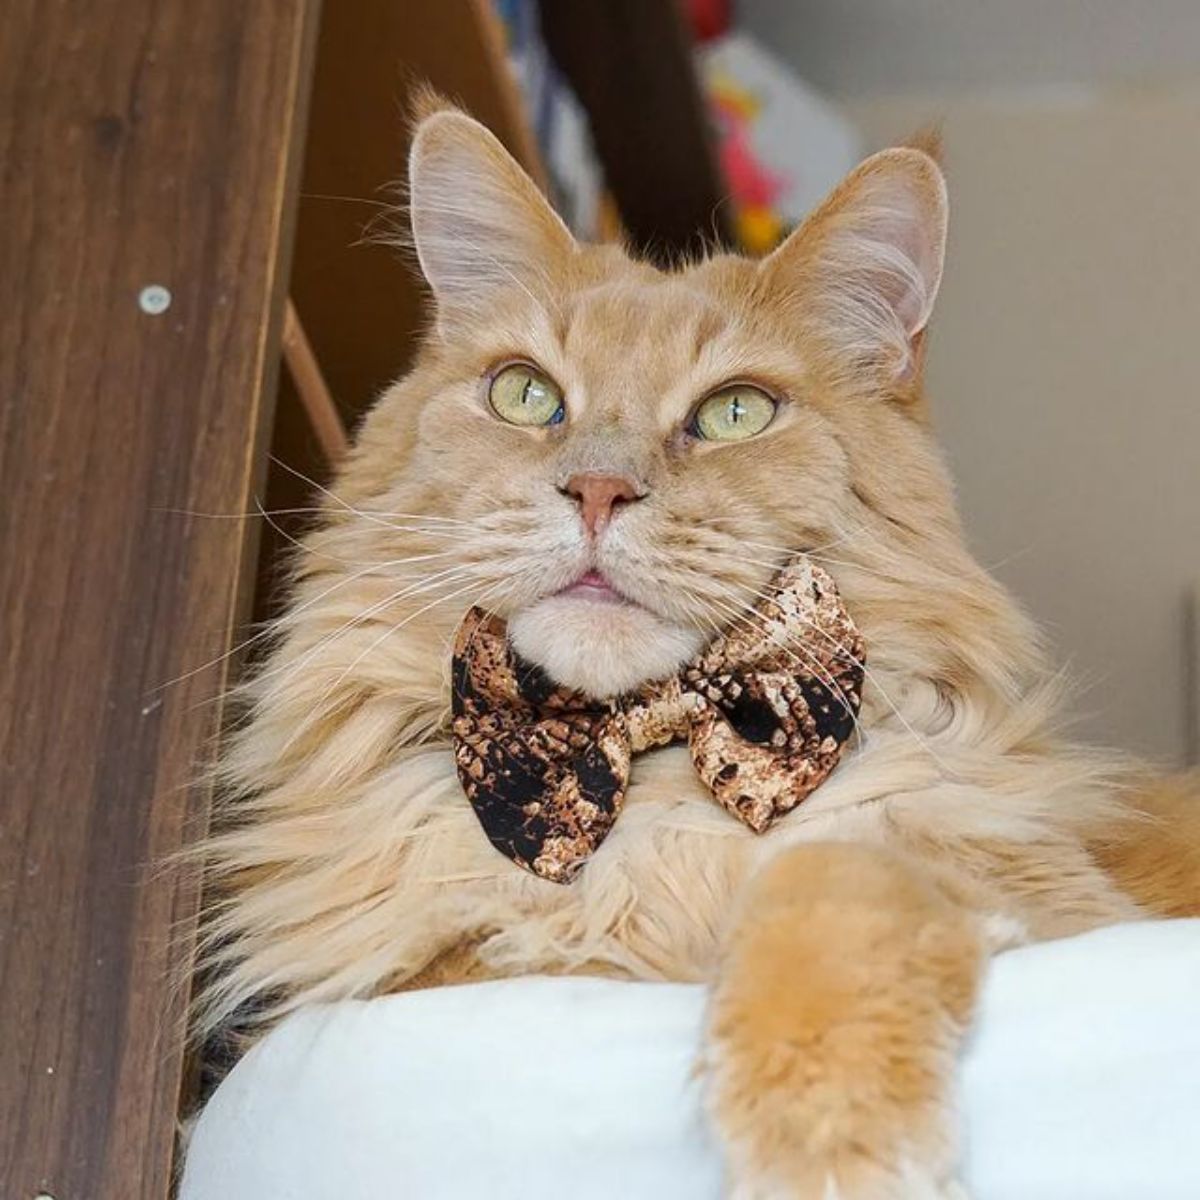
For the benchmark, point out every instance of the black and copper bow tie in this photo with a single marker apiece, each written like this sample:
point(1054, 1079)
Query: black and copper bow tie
point(766, 710)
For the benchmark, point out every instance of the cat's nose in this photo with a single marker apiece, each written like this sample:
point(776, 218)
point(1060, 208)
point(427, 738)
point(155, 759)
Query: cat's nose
point(599, 496)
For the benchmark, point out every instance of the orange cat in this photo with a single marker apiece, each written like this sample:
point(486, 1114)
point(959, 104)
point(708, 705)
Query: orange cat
point(617, 460)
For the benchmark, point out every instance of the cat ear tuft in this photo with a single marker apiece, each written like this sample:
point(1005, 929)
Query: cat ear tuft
point(479, 224)
point(869, 260)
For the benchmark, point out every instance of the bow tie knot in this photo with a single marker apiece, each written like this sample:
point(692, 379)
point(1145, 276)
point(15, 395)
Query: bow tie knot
point(766, 710)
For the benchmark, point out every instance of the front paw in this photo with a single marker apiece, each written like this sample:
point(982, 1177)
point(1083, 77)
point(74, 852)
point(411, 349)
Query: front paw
point(797, 1125)
point(833, 1038)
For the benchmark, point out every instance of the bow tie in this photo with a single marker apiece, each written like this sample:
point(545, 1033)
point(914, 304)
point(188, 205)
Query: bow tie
point(766, 709)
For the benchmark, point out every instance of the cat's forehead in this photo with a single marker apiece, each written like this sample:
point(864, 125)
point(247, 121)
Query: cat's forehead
point(648, 321)
point(645, 310)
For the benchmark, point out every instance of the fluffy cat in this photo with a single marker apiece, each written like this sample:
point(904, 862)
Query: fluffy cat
point(615, 526)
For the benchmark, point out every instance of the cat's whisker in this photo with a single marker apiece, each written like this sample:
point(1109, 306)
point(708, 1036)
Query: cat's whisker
point(343, 504)
point(816, 557)
point(804, 660)
point(849, 531)
point(844, 653)
point(274, 627)
point(507, 587)
point(346, 199)
point(448, 575)
point(290, 669)
point(750, 619)
point(704, 611)
point(319, 706)
point(808, 663)
point(301, 510)
point(312, 550)
point(786, 551)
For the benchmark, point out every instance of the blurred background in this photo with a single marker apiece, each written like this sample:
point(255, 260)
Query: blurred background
point(1062, 367)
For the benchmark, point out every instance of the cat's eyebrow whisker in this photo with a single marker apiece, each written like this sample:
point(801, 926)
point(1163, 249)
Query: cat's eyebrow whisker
point(454, 210)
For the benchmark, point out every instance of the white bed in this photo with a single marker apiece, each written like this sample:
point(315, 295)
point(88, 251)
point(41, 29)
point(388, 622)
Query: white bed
point(1081, 1082)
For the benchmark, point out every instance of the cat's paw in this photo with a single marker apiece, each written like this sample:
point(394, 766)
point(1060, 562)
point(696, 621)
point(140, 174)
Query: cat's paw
point(834, 1031)
point(797, 1124)
point(905, 1183)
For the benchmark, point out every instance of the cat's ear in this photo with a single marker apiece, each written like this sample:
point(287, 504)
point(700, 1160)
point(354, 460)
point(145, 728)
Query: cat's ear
point(867, 263)
point(480, 226)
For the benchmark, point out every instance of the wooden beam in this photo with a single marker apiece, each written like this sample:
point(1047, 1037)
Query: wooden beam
point(323, 416)
point(630, 63)
point(361, 302)
point(149, 165)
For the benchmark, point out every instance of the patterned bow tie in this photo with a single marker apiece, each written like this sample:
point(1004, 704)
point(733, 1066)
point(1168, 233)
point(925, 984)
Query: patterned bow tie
point(766, 709)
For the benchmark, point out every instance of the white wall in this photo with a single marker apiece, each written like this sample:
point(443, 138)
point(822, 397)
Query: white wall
point(886, 47)
point(1065, 374)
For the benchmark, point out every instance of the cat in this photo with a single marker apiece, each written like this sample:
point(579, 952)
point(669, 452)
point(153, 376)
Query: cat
point(617, 459)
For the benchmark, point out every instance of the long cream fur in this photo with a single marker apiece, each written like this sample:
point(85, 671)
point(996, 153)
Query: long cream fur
point(348, 863)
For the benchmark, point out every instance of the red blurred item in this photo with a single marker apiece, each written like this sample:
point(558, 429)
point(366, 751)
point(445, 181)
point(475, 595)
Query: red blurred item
point(752, 182)
point(709, 18)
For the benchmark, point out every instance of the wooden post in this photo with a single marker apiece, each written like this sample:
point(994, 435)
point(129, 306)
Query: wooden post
point(150, 166)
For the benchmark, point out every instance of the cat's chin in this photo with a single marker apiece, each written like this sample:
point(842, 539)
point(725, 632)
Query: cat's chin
point(599, 647)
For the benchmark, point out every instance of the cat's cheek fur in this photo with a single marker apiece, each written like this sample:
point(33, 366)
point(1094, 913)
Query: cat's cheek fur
point(599, 647)
point(834, 1029)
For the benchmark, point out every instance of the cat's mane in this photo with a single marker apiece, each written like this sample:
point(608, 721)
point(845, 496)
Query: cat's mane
point(346, 860)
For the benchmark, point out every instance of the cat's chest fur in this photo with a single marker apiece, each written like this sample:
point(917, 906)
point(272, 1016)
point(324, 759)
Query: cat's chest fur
point(656, 899)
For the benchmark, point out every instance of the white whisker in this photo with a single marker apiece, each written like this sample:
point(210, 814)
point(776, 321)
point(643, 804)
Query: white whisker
point(809, 663)
point(369, 570)
point(448, 575)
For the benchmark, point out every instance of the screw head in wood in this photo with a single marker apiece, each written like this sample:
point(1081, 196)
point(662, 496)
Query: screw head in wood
point(154, 299)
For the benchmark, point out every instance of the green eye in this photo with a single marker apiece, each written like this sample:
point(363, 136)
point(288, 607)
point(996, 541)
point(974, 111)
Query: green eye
point(732, 414)
point(522, 396)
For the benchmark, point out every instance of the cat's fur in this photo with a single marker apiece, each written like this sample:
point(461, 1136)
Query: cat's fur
point(846, 946)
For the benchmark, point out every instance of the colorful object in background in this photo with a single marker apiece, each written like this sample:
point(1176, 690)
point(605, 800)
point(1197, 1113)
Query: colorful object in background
point(753, 186)
point(780, 144)
point(559, 123)
point(708, 18)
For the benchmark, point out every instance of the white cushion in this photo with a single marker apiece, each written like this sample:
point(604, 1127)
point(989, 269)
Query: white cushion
point(1081, 1082)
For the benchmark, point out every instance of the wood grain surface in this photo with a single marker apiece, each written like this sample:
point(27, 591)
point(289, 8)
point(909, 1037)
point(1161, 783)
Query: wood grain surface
point(361, 302)
point(142, 143)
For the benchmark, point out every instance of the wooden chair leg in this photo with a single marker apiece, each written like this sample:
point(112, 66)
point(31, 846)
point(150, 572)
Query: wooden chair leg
point(310, 384)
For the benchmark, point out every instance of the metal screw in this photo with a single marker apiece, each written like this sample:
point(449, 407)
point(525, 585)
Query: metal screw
point(154, 299)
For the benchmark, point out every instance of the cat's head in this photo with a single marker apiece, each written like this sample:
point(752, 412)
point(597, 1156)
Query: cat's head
point(620, 457)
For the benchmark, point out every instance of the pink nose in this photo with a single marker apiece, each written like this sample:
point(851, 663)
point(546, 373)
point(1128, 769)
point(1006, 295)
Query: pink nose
point(598, 496)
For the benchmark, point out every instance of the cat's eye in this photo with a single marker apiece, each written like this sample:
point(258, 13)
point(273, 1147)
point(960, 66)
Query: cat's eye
point(732, 414)
point(522, 395)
